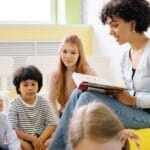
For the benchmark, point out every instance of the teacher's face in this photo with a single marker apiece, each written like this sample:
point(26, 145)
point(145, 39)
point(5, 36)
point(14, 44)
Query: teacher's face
point(120, 29)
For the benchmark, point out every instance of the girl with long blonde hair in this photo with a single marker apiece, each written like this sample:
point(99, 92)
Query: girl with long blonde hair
point(71, 59)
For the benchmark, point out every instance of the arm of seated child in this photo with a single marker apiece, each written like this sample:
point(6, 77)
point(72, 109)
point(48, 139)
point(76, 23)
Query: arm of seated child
point(31, 139)
point(47, 134)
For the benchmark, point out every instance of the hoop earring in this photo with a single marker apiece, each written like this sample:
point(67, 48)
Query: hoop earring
point(133, 30)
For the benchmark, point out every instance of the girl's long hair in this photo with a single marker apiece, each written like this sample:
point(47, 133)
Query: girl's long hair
point(80, 67)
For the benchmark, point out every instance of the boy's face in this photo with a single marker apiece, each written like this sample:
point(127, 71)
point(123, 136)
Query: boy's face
point(28, 90)
point(1, 105)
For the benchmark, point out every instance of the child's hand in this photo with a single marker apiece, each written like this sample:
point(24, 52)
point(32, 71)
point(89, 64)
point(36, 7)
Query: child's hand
point(37, 144)
point(133, 136)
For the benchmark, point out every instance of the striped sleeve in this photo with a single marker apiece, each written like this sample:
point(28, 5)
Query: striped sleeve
point(50, 116)
point(12, 114)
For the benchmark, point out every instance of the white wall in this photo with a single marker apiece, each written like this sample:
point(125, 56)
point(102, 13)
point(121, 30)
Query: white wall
point(103, 43)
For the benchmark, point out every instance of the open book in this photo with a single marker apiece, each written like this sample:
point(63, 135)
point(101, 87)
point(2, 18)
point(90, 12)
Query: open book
point(87, 82)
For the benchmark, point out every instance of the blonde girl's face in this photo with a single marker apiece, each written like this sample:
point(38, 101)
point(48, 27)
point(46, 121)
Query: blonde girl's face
point(28, 90)
point(69, 54)
point(96, 145)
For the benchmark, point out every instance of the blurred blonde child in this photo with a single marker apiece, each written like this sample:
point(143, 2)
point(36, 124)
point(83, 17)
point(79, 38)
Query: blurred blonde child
point(95, 126)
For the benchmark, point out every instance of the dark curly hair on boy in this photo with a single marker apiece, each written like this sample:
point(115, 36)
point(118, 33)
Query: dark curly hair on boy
point(137, 10)
point(27, 72)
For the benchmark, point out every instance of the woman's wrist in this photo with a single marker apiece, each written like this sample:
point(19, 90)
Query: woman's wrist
point(133, 101)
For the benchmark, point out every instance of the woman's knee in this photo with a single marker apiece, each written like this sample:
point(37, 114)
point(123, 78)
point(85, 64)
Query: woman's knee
point(76, 92)
point(85, 98)
point(90, 96)
point(75, 95)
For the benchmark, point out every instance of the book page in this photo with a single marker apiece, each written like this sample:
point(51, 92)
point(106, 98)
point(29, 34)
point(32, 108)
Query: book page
point(86, 81)
point(79, 78)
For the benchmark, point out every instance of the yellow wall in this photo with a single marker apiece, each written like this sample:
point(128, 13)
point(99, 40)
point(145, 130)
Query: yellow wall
point(45, 32)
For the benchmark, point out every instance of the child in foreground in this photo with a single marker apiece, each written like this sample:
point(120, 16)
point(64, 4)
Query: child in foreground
point(8, 138)
point(30, 114)
point(95, 126)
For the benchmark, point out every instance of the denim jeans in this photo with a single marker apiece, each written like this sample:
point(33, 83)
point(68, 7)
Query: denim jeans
point(4, 147)
point(131, 117)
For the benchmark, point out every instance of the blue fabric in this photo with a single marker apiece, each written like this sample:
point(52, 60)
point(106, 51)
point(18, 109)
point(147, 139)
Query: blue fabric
point(60, 139)
point(131, 117)
point(4, 147)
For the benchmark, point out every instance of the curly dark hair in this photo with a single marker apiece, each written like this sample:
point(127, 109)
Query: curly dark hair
point(27, 72)
point(137, 10)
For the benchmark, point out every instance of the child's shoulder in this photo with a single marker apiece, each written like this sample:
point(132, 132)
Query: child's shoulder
point(41, 97)
point(16, 99)
point(15, 102)
point(42, 101)
point(3, 116)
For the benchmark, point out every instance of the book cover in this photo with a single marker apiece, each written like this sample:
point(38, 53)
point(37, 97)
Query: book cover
point(87, 82)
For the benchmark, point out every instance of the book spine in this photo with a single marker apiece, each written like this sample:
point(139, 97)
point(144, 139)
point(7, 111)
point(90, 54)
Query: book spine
point(83, 87)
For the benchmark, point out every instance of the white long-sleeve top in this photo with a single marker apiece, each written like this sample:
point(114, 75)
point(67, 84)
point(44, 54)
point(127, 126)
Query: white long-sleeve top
point(140, 84)
point(8, 134)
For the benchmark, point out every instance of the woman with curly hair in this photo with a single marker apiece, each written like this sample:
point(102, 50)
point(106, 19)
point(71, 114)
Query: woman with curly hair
point(127, 20)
